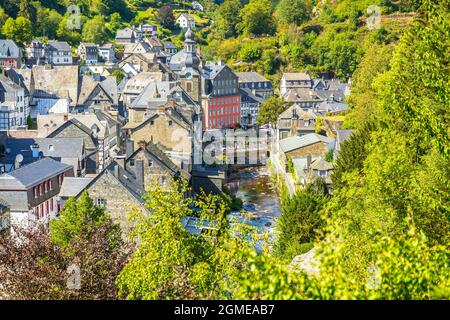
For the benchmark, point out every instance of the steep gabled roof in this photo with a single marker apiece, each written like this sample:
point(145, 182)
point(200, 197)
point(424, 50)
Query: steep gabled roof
point(32, 174)
point(296, 142)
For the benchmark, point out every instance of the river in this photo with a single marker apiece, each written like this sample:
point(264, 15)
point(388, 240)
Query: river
point(255, 188)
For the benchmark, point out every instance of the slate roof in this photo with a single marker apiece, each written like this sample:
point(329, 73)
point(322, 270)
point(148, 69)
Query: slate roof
point(126, 179)
point(32, 174)
point(63, 148)
point(296, 142)
point(169, 45)
point(210, 71)
point(321, 164)
point(245, 77)
point(248, 93)
point(9, 48)
point(302, 114)
point(72, 186)
point(301, 95)
point(59, 46)
point(296, 76)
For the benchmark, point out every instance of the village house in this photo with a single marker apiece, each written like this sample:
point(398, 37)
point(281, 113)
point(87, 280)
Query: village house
point(169, 129)
point(126, 35)
point(55, 89)
point(35, 53)
point(154, 43)
point(291, 80)
point(140, 47)
point(31, 192)
point(107, 53)
point(14, 104)
point(130, 35)
point(156, 95)
point(296, 121)
point(88, 52)
point(58, 53)
point(71, 187)
point(250, 103)
point(312, 144)
point(157, 167)
point(149, 28)
point(185, 20)
point(307, 169)
point(22, 151)
point(169, 48)
point(10, 54)
point(197, 6)
point(97, 92)
point(117, 191)
point(101, 134)
point(136, 85)
point(255, 82)
point(221, 100)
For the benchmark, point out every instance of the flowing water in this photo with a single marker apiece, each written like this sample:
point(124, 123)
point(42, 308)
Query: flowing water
point(260, 198)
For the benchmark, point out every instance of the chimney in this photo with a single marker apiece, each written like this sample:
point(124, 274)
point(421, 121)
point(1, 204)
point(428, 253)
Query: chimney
point(121, 161)
point(308, 162)
point(129, 148)
point(116, 171)
point(140, 172)
point(66, 117)
point(35, 150)
point(142, 144)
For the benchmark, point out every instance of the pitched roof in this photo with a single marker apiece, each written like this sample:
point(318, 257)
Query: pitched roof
point(169, 45)
point(59, 45)
point(250, 77)
point(296, 142)
point(32, 174)
point(187, 16)
point(72, 186)
point(301, 95)
point(210, 71)
point(9, 48)
point(125, 178)
point(298, 111)
point(126, 33)
point(321, 164)
point(296, 76)
point(62, 81)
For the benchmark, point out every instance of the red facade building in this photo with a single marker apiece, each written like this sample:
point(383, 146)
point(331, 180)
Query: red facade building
point(221, 102)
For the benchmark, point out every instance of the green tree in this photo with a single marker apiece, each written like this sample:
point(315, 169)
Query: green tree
point(270, 110)
point(257, 18)
point(300, 222)
point(95, 31)
point(30, 123)
point(363, 99)
point(227, 18)
point(27, 10)
point(119, 74)
point(170, 262)
point(20, 30)
point(165, 17)
point(81, 217)
point(295, 11)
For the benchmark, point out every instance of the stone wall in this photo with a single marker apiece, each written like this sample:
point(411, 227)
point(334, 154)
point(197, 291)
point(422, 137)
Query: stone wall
point(171, 137)
point(118, 199)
